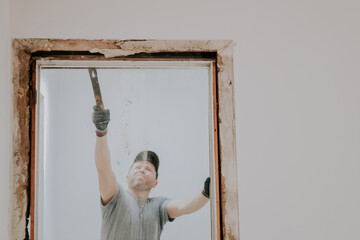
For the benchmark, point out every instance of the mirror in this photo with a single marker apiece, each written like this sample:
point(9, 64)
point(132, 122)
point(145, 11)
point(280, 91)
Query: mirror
point(165, 108)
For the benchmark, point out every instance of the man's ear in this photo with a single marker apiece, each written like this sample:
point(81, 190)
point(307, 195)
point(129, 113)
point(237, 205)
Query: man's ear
point(155, 183)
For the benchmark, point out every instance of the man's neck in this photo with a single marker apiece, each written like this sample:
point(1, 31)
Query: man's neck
point(140, 195)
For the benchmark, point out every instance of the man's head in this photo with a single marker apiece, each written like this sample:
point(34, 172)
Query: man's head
point(149, 156)
point(143, 172)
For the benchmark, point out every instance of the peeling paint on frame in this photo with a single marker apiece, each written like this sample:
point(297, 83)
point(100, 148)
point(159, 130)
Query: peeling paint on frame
point(22, 53)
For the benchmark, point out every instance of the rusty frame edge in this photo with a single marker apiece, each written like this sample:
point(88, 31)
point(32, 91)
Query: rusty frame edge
point(22, 49)
point(19, 184)
point(227, 141)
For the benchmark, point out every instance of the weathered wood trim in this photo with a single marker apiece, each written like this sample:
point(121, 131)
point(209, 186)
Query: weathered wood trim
point(24, 49)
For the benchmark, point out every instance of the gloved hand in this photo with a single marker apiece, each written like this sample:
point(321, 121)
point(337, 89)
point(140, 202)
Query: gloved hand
point(101, 119)
point(206, 190)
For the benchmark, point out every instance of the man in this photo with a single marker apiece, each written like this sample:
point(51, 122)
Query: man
point(131, 214)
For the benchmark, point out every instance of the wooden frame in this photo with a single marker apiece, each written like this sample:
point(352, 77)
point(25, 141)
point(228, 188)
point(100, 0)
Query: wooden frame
point(25, 51)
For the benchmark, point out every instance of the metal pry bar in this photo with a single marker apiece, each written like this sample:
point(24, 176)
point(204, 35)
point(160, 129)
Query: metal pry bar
point(96, 86)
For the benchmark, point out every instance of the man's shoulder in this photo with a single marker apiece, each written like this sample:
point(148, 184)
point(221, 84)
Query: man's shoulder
point(119, 195)
point(158, 200)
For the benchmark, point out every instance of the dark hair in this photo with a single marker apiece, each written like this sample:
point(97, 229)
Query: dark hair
point(149, 156)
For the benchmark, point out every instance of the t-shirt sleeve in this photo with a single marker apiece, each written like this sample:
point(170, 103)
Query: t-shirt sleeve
point(109, 208)
point(163, 211)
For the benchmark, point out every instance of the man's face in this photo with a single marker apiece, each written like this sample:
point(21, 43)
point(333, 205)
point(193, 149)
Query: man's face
point(142, 176)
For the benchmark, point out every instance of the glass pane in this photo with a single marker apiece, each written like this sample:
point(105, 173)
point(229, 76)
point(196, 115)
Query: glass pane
point(163, 110)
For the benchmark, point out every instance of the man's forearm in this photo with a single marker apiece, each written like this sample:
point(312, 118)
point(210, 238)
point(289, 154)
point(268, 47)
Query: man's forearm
point(177, 208)
point(102, 155)
point(106, 177)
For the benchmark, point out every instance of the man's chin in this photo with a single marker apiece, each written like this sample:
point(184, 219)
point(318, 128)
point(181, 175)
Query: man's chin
point(142, 189)
point(140, 186)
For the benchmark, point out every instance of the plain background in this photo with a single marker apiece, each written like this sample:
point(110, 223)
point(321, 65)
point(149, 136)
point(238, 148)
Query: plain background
point(296, 91)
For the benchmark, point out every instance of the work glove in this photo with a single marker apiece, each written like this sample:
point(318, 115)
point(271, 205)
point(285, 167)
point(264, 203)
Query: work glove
point(101, 119)
point(206, 190)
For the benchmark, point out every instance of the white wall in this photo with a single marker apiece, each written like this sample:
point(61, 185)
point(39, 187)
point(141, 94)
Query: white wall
point(297, 96)
point(5, 116)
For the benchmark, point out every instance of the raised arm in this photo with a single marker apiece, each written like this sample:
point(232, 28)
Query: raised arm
point(177, 208)
point(106, 176)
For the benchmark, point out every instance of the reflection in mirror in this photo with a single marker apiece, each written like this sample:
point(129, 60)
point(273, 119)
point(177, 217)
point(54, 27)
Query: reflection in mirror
point(165, 110)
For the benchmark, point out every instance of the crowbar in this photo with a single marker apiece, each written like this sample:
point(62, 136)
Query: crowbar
point(96, 87)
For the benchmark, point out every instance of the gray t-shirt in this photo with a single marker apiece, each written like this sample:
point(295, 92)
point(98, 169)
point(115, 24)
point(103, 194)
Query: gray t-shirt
point(125, 217)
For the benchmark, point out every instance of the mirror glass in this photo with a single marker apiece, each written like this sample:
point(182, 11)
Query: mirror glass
point(163, 109)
